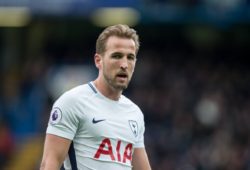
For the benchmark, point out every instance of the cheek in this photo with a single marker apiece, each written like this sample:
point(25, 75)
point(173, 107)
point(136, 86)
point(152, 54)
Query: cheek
point(108, 66)
point(112, 65)
point(132, 67)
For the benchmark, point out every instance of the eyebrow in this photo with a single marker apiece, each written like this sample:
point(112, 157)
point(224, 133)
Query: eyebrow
point(119, 53)
point(116, 53)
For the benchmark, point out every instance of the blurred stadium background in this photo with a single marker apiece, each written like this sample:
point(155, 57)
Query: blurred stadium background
point(192, 79)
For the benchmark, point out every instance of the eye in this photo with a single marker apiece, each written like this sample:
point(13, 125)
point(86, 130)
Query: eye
point(116, 56)
point(131, 57)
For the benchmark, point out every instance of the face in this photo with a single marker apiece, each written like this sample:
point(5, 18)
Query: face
point(118, 62)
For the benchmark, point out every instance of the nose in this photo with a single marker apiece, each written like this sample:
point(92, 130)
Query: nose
point(124, 64)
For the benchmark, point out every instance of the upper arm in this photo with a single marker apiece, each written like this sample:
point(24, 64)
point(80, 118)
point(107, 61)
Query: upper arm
point(55, 151)
point(140, 160)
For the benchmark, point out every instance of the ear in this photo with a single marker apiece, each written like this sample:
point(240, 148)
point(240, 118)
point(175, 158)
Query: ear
point(98, 60)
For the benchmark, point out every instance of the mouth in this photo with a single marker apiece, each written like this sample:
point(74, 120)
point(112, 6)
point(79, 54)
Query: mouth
point(122, 76)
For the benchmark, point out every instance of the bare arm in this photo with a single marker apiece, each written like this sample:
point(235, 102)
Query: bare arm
point(55, 151)
point(140, 160)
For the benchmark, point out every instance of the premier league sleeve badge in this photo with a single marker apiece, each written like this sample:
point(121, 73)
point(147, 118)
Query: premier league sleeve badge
point(55, 115)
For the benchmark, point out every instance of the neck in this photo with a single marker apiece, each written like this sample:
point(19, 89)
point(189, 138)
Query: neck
point(106, 90)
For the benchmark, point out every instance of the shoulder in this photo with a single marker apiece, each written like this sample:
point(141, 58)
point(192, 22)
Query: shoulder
point(126, 100)
point(73, 95)
point(130, 104)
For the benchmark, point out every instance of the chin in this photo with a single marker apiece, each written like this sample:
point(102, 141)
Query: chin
point(121, 86)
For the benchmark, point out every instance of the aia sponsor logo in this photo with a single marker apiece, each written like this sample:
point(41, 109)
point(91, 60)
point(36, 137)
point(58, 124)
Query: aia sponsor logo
point(120, 153)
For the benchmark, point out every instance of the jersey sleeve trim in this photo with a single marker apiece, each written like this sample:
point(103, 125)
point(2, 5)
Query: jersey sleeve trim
point(61, 133)
point(139, 145)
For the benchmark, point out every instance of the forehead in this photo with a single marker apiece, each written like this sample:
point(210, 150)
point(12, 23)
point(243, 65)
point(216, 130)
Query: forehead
point(116, 43)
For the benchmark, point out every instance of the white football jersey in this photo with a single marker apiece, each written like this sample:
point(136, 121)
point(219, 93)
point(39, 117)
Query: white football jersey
point(104, 132)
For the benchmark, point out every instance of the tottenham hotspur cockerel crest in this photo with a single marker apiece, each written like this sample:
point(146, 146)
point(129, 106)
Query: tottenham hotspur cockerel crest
point(134, 127)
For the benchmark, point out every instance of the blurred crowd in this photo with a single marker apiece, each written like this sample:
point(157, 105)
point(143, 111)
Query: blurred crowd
point(196, 102)
point(196, 114)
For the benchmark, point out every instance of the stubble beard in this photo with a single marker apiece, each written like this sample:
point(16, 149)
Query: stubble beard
point(112, 83)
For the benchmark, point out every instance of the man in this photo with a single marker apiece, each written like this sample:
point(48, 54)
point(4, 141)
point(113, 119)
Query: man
point(93, 126)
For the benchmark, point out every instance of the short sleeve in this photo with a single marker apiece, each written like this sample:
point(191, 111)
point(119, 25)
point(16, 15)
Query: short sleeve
point(63, 120)
point(140, 141)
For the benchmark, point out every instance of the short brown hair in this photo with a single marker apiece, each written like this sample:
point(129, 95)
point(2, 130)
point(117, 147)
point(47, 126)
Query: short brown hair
point(120, 30)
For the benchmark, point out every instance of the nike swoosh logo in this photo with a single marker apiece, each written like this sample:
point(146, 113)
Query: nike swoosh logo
point(97, 121)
